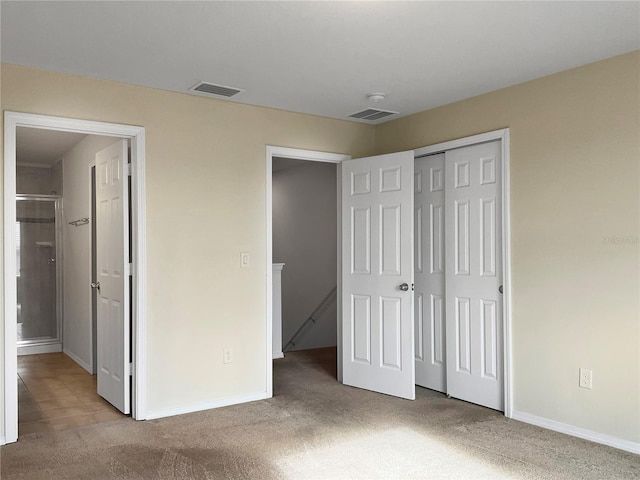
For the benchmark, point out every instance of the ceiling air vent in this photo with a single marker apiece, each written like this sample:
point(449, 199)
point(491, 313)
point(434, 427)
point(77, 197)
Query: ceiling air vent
point(213, 89)
point(372, 114)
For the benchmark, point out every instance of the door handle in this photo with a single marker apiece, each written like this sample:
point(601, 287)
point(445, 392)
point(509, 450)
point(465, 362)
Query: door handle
point(404, 287)
point(500, 289)
point(95, 285)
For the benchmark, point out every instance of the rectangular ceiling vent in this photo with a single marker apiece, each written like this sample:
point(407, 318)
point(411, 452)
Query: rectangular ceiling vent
point(372, 114)
point(218, 90)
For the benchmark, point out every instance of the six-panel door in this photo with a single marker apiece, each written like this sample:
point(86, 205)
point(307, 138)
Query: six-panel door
point(377, 256)
point(473, 274)
point(112, 240)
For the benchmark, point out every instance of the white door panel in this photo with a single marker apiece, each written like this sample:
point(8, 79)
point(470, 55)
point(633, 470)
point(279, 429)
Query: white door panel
point(112, 247)
point(474, 350)
point(429, 190)
point(377, 235)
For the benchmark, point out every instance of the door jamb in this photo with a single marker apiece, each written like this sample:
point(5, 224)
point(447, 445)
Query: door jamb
point(136, 134)
point(503, 136)
point(314, 156)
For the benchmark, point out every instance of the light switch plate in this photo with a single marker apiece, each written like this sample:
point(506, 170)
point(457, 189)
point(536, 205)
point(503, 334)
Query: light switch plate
point(244, 259)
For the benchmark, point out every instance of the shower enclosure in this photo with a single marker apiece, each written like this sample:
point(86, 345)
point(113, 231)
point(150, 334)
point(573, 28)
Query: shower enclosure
point(38, 273)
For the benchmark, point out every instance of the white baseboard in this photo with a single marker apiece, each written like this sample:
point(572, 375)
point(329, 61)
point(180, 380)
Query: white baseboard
point(78, 360)
point(197, 407)
point(37, 349)
point(626, 445)
point(278, 355)
point(3, 441)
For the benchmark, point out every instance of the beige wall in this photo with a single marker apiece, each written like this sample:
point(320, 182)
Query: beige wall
point(575, 153)
point(205, 175)
point(575, 209)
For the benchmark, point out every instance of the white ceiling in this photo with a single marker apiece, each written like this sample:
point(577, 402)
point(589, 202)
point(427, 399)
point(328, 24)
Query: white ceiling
point(320, 57)
point(43, 147)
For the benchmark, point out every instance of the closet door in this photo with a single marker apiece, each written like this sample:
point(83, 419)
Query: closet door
point(377, 274)
point(429, 267)
point(473, 271)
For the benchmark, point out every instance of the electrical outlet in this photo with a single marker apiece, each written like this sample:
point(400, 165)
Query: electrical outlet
point(227, 356)
point(586, 378)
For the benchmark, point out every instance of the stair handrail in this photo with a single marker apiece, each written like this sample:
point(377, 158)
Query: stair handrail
point(311, 317)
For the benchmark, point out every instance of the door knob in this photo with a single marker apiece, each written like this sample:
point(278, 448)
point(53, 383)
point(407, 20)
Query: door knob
point(95, 285)
point(500, 289)
point(404, 287)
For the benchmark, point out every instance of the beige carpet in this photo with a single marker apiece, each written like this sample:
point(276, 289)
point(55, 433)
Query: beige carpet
point(315, 428)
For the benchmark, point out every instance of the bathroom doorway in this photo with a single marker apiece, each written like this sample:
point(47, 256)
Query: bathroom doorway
point(38, 273)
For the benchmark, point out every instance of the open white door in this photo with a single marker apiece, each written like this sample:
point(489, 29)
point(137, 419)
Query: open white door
point(429, 298)
point(473, 215)
point(112, 261)
point(377, 274)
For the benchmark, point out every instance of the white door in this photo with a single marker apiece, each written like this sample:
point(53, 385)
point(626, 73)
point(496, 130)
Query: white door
point(473, 271)
point(377, 274)
point(429, 261)
point(112, 261)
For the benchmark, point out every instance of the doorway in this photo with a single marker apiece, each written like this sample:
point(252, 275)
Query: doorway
point(292, 154)
point(502, 136)
point(304, 248)
point(134, 135)
point(38, 273)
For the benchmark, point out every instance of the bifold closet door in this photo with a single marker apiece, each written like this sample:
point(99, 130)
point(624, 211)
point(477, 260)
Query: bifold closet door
point(429, 267)
point(473, 274)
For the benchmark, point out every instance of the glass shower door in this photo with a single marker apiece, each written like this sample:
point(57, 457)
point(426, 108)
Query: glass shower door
point(37, 269)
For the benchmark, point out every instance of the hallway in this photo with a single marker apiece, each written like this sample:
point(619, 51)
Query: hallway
point(55, 393)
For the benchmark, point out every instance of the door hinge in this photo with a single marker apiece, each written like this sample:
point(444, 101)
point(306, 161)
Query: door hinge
point(129, 371)
point(129, 169)
point(129, 269)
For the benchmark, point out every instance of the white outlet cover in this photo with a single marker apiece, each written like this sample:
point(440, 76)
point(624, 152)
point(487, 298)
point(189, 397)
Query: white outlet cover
point(586, 378)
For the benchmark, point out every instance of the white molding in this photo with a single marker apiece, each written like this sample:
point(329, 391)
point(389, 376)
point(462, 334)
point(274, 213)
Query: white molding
point(309, 155)
point(10, 386)
point(198, 407)
point(339, 271)
point(78, 360)
point(38, 349)
point(298, 154)
point(136, 134)
point(602, 438)
point(269, 270)
point(277, 355)
point(461, 142)
point(139, 297)
point(503, 136)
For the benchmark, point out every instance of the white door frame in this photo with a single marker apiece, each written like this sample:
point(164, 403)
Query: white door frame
point(503, 136)
point(12, 120)
point(313, 156)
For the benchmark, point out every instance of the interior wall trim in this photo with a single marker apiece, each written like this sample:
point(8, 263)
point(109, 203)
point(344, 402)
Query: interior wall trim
point(77, 359)
point(198, 407)
point(602, 438)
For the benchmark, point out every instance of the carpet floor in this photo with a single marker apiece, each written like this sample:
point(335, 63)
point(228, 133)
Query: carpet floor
point(316, 428)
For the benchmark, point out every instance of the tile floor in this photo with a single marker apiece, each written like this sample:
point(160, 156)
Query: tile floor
point(54, 392)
